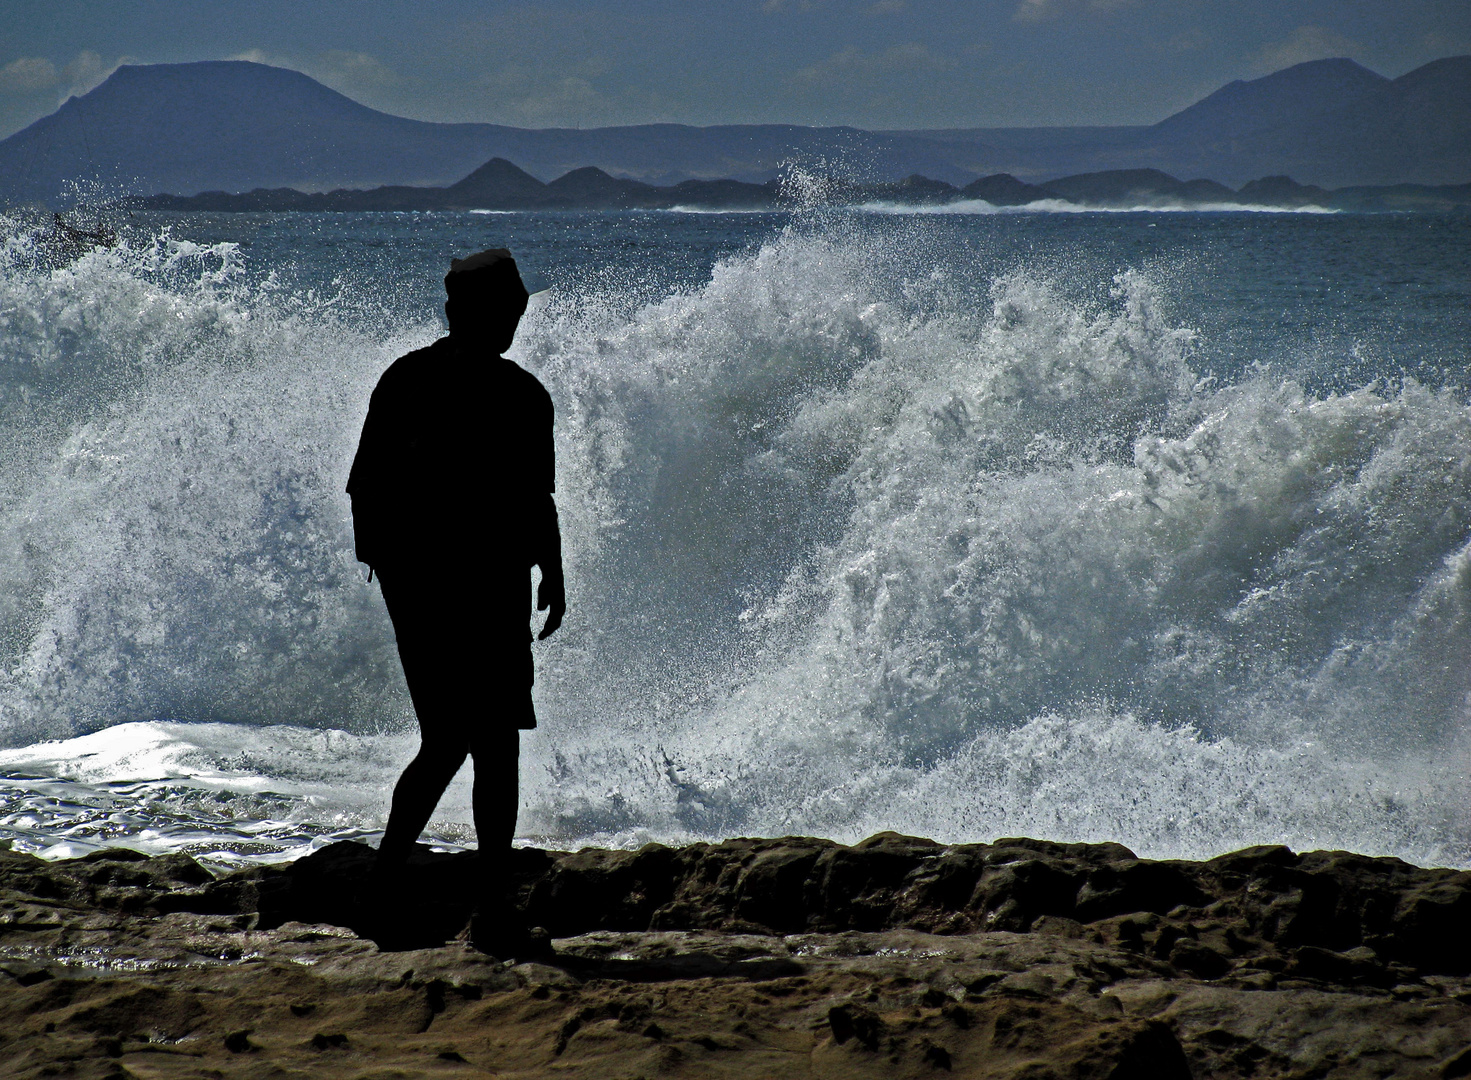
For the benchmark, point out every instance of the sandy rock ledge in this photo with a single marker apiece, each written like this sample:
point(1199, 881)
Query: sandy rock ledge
point(896, 957)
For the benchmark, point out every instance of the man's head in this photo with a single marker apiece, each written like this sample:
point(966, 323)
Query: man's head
point(486, 299)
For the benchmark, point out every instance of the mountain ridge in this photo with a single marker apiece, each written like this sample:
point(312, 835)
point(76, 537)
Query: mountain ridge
point(501, 185)
point(238, 126)
point(1273, 99)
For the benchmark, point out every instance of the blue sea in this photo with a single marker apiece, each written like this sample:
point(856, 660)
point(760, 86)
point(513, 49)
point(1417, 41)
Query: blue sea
point(1148, 527)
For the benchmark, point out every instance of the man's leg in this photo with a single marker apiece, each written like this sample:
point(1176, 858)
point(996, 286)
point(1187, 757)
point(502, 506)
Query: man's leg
point(497, 798)
point(431, 647)
point(418, 790)
point(496, 927)
point(505, 642)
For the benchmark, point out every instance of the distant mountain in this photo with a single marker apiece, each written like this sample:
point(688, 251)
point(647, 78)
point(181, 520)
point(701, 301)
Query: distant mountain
point(238, 126)
point(1003, 189)
point(233, 125)
point(501, 185)
point(1328, 122)
point(1282, 191)
point(591, 185)
point(1137, 187)
point(496, 185)
point(668, 153)
point(1294, 96)
point(1422, 118)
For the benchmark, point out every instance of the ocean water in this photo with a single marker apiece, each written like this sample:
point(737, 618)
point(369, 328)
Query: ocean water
point(1145, 527)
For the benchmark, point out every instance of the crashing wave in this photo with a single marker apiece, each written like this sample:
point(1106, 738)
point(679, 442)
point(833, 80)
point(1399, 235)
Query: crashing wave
point(857, 537)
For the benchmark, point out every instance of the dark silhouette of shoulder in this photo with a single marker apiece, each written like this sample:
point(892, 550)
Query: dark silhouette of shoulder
point(440, 366)
point(447, 431)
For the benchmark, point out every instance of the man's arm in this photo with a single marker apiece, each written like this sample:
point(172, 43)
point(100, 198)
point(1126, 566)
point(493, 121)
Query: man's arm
point(547, 543)
point(552, 592)
point(364, 487)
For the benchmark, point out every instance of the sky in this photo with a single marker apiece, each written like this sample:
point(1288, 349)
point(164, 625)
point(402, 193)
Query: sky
point(868, 63)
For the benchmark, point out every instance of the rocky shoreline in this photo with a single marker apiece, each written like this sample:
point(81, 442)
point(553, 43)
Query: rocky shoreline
point(762, 958)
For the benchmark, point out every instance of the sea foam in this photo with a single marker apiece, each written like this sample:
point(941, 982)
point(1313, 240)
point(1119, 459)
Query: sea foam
point(859, 536)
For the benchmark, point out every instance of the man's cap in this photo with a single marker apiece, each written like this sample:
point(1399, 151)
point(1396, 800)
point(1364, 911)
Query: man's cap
point(493, 269)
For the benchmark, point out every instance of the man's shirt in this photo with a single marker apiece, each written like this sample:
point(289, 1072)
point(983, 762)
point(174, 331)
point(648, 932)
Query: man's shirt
point(456, 457)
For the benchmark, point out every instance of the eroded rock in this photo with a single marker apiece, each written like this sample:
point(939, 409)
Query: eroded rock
point(893, 957)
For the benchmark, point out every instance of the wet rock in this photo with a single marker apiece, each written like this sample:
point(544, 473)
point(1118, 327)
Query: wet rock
point(773, 889)
point(1196, 958)
point(893, 957)
point(1137, 885)
point(238, 1042)
point(631, 887)
point(25, 974)
point(1262, 905)
point(1137, 1050)
point(854, 1021)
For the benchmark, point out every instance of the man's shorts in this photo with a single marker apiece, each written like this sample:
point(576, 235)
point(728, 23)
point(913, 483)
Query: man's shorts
point(465, 648)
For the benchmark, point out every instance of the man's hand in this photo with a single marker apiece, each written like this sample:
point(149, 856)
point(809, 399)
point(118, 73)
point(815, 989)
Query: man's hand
point(551, 593)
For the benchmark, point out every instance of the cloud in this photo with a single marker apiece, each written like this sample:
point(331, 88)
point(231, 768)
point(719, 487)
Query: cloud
point(553, 104)
point(1437, 44)
point(359, 69)
point(1303, 44)
point(27, 75)
point(350, 73)
point(1188, 41)
point(31, 74)
point(540, 97)
point(852, 65)
point(772, 7)
point(1047, 10)
point(87, 72)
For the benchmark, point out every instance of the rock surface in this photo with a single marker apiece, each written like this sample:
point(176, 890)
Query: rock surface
point(763, 958)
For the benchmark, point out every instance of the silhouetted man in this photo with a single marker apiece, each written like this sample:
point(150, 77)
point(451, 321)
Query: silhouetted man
point(452, 506)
